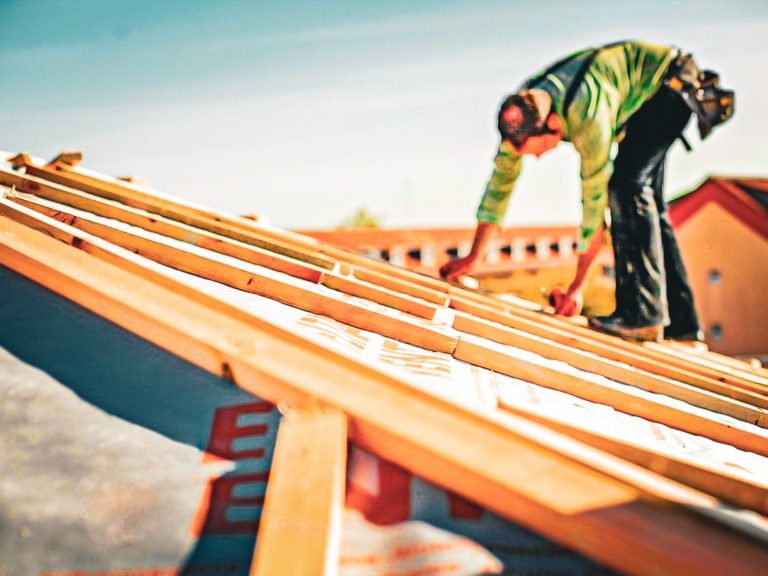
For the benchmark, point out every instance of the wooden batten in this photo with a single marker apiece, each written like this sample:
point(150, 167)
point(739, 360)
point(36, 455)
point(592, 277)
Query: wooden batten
point(712, 360)
point(68, 158)
point(738, 490)
point(686, 362)
point(545, 481)
point(404, 286)
point(300, 528)
point(391, 298)
point(603, 345)
point(624, 373)
point(177, 231)
point(484, 305)
point(41, 181)
point(245, 230)
point(227, 246)
point(737, 434)
point(249, 281)
point(300, 247)
point(232, 226)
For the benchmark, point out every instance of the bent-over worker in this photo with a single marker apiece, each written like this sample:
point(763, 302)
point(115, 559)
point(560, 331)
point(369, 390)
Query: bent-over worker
point(641, 96)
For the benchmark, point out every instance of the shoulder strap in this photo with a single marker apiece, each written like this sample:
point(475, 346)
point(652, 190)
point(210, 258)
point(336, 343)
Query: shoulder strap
point(576, 81)
point(573, 86)
point(535, 79)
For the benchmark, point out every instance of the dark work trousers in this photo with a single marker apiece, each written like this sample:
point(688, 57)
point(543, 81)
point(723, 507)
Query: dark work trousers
point(651, 282)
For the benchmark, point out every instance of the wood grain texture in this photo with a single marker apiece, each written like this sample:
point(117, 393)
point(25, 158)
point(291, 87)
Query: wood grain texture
point(300, 528)
point(548, 483)
point(735, 433)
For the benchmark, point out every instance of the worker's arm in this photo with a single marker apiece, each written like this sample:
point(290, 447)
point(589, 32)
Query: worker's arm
point(490, 212)
point(573, 300)
point(484, 232)
point(592, 139)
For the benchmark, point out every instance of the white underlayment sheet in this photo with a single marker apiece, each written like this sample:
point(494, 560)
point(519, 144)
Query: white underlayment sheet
point(461, 381)
point(481, 387)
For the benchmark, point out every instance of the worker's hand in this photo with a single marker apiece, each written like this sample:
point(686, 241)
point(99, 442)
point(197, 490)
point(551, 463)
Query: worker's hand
point(452, 269)
point(567, 303)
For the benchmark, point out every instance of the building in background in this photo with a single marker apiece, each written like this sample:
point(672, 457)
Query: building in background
point(524, 261)
point(722, 228)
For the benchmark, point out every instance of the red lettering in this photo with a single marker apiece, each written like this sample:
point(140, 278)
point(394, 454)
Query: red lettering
point(214, 515)
point(225, 431)
point(222, 499)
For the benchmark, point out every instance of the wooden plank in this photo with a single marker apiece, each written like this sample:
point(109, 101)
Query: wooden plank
point(236, 227)
point(300, 529)
point(404, 286)
point(252, 232)
point(436, 285)
point(540, 483)
point(229, 247)
point(241, 229)
point(304, 299)
point(708, 364)
point(402, 302)
point(176, 230)
point(736, 433)
point(713, 360)
point(602, 344)
point(36, 182)
point(737, 489)
point(400, 328)
point(622, 372)
point(476, 303)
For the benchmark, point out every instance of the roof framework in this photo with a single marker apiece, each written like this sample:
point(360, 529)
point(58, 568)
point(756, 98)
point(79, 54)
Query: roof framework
point(630, 507)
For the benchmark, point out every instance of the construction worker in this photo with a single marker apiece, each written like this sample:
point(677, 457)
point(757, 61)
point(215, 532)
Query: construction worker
point(626, 93)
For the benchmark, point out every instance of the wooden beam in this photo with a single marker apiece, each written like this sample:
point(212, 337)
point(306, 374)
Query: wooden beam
point(68, 158)
point(248, 280)
point(541, 482)
point(303, 298)
point(256, 233)
point(404, 286)
point(712, 360)
point(39, 180)
point(391, 298)
point(384, 324)
point(471, 301)
point(624, 373)
point(311, 271)
point(618, 349)
point(602, 344)
point(236, 227)
point(300, 528)
point(736, 433)
point(659, 353)
point(230, 247)
point(725, 484)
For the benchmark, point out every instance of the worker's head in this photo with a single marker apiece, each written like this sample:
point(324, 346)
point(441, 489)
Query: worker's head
point(527, 122)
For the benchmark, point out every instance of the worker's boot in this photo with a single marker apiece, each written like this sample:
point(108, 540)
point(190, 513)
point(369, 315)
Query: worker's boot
point(615, 326)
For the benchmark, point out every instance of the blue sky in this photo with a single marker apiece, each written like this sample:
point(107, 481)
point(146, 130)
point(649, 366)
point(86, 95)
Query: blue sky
point(304, 111)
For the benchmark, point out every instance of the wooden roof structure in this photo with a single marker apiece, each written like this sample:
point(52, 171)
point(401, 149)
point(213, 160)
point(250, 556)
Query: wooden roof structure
point(582, 464)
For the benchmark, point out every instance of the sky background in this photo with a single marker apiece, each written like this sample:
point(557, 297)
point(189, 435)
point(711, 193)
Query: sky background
point(304, 111)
